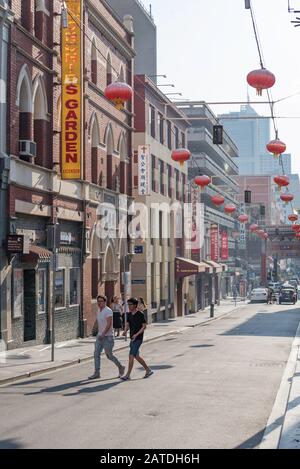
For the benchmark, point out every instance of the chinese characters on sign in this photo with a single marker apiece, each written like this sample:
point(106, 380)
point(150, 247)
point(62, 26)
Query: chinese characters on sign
point(144, 170)
point(214, 243)
point(71, 92)
point(224, 245)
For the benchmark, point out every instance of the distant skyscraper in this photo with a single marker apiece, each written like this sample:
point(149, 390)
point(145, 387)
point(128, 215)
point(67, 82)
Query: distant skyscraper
point(145, 35)
point(251, 137)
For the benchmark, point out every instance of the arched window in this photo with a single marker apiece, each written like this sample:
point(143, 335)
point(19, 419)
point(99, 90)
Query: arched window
point(108, 71)
point(97, 175)
point(122, 75)
point(41, 125)
point(26, 15)
point(94, 61)
point(24, 102)
point(110, 171)
point(41, 20)
point(124, 166)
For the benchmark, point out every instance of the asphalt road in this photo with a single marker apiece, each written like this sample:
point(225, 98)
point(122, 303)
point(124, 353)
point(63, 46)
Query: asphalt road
point(214, 386)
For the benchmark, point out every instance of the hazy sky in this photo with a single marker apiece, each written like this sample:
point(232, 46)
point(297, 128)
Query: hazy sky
point(207, 47)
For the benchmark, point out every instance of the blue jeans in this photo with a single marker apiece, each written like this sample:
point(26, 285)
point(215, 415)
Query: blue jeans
point(107, 344)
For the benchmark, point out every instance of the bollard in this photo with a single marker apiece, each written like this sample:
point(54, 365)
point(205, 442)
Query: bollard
point(212, 308)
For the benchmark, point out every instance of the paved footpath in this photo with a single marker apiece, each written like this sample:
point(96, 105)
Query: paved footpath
point(29, 361)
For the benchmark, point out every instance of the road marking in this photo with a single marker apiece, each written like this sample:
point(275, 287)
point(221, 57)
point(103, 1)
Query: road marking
point(273, 430)
point(45, 348)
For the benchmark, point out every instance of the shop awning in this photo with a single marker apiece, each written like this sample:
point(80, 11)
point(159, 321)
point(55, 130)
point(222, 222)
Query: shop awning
point(37, 253)
point(185, 267)
point(217, 268)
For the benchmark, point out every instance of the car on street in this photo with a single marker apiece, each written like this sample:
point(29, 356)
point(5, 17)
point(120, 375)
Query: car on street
point(259, 295)
point(288, 295)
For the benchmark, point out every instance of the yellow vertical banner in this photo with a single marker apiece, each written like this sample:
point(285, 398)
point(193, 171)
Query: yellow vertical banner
point(71, 92)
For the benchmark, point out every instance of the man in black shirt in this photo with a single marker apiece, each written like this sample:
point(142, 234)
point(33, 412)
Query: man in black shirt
point(136, 322)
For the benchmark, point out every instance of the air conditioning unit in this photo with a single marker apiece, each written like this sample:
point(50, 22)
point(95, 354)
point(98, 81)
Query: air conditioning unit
point(27, 148)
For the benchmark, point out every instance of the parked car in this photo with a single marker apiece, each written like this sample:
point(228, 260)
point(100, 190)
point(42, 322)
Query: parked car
point(259, 295)
point(288, 295)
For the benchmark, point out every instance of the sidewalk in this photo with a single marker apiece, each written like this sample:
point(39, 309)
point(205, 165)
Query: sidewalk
point(29, 361)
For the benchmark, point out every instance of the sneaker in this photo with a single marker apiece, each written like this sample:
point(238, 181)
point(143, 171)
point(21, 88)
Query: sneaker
point(121, 371)
point(95, 376)
point(148, 373)
point(125, 378)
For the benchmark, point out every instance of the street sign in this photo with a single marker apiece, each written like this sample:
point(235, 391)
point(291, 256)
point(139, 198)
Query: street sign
point(138, 249)
point(15, 244)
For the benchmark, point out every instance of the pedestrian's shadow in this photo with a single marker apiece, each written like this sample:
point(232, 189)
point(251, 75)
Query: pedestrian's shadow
point(99, 388)
point(63, 387)
point(158, 367)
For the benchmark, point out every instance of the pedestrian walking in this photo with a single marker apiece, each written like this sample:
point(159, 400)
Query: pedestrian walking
point(105, 338)
point(136, 322)
point(117, 310)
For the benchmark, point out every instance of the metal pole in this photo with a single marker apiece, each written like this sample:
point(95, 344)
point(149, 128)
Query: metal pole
point(53, 295)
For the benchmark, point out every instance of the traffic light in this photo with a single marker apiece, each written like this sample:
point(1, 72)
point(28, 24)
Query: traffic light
point(247, 197)
point(218, 134)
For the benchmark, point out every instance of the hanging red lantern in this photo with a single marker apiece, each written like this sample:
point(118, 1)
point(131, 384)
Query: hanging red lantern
point(277, 147)
point(181, 155)
point(202, 181)
point(295, 227)
point(243, 218)
point(119, 93)
point(217, 200)
point(293, 217)
point(281, 181)
point(260, 233)
point(253, 228)
point(265, 236)
point(287, 197)
point(261, 79)
point(229, 209)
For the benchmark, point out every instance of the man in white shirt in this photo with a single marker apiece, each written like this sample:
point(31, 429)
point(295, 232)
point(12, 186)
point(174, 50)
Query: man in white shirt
point(105, 338)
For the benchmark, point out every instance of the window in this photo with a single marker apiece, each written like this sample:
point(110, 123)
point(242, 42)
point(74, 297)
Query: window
point(177, 183)
point(152, 121)
point(42, 291)
point(169, 135)
point(176, 137)
point(161, 128)
point(183, 139)
point(74, 286)
point(108, 71)
point(59, 295)
point(18, 293)
point(160, 228)
point(169, 175)
point(153, 172)
point(161, 177)
point(94, 75)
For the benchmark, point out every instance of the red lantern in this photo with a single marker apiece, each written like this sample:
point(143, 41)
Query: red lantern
point(261, 79)
point(119, 93)
point(293, 217)
point(202, 181)
point(181, 155)
point(229, 209)
point(243, 218)
point(287, 197)
point(253, 228)
point(265, 236)
point(281, 181)
point(295, 227)
point(277, 147)
point(260, 233)
point(217, 200)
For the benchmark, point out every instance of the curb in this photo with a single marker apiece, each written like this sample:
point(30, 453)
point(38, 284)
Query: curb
point(29, 374)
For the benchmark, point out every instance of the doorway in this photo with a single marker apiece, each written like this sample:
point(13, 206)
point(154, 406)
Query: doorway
point(29, 305)
point(109, 291)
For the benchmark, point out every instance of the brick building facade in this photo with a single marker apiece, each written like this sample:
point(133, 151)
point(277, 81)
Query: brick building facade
point(39, 200)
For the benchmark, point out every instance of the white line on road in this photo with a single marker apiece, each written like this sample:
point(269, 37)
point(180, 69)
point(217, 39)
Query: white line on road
point(45, 348)
point(272, 434)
